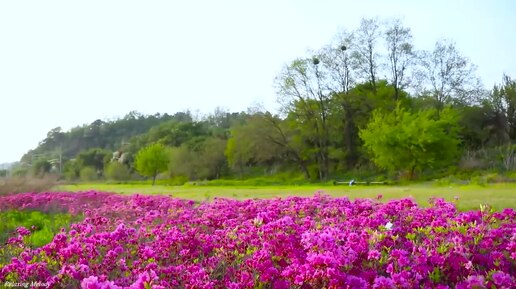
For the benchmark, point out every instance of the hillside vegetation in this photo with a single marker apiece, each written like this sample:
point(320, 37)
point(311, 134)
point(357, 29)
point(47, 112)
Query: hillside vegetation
point(368, 105)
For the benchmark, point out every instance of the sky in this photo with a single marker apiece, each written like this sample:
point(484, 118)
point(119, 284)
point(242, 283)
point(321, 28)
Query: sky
point(68, 63)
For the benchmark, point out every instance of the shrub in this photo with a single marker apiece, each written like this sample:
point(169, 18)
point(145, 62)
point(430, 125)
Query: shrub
point(27, 184)
point(117, 172)
point(88, 174)
point(178, 181)
point(478, 180)
point(495, 178)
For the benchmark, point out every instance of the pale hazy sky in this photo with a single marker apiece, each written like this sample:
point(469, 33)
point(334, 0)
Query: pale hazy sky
point(67, 63)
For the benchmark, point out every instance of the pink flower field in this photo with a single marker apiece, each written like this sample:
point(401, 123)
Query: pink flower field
point(142, 241)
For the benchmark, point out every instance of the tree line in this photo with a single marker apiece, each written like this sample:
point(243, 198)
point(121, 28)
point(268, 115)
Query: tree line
point(367, 101)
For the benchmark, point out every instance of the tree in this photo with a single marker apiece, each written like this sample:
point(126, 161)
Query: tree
point(286, 135)
point(411, 142)
point(337, 62)
point(304, 91)
point(152, 160)
point(503, 102)
point(352, 112)
point(250, 143)
point(175, 133)
point(400, 54)
point(41, 167)
point(181, 163)
point(448, 77)
point(198, 159)
point(219, 118)
point(477, 130)
point(95, 158)
point(72, 170)
point(211, 158)
point(366, 54)
point(54, 139)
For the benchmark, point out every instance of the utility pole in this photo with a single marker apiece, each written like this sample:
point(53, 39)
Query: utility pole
point(60, 160)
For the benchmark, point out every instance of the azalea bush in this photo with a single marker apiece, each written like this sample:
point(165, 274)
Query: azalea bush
point(319, 242)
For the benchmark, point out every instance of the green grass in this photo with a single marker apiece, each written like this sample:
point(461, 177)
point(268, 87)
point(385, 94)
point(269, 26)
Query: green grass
point(43, 225)
point(499, 196)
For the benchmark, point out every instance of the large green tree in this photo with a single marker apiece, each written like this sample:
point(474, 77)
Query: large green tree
point(402, 141)
point(152, 160)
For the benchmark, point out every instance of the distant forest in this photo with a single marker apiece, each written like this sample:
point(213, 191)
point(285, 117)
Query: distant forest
point(368, 104)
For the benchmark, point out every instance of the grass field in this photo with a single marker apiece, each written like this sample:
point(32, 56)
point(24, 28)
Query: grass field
point(499, 196)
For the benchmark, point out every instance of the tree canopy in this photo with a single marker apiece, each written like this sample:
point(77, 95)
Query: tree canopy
point(152, 160)
point(412, 141)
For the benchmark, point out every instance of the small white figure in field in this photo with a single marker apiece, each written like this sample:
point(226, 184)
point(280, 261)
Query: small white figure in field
point(388, 226)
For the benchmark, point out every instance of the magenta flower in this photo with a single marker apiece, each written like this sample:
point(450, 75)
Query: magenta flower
point(160, 242)
point(503, 280)
point(381, 282)
point(22, 231)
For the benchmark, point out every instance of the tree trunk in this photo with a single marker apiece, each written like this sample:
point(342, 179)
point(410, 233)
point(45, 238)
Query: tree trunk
point(371, 69)
point(349, 137)
point(412, 172)
point(305, 171)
